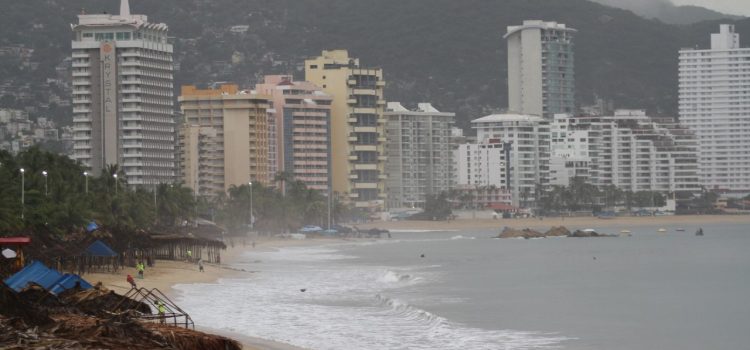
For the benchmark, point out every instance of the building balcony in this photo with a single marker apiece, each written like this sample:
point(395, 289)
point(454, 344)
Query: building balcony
point(365, 129)
point(365, 185)
point(365, 166)
point(371, 148)
point(351, 82)
point(364, 92)
point(365, 110)
point(380, 83)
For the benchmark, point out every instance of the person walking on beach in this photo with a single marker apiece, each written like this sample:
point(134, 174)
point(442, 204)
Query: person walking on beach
point(140, 269)
point(162, 311)
point(200, 265)
point(132, 282)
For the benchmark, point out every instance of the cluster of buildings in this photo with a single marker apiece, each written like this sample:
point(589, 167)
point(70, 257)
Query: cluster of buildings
point(335, 131)
point(18, 132)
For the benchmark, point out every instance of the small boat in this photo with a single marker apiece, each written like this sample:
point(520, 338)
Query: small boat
point(625, 233)
point(699, 232)
point(680, 229)
point(310, 229)
point(661, 230)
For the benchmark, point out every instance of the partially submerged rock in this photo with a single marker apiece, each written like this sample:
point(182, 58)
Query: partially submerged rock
point(509, 232)
point(557, 231)
point(588, 233)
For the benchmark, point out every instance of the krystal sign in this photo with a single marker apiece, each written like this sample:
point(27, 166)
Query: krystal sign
point(109, 101)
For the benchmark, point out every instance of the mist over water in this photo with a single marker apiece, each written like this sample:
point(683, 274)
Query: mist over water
point(649, 291)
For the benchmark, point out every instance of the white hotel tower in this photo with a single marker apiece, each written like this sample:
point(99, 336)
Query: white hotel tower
point(123, 96)
point(714, 102)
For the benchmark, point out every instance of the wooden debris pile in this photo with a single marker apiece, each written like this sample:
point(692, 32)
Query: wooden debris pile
point(83, 320)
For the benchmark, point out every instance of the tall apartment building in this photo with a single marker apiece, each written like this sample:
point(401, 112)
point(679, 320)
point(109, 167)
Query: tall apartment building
point(224, 138)
point(419, 153)
point(571, 150)
point(357, 126)
point(629, 150)
point(529, 153)
point(123, 110)
point(540, 68)
point(714, 102)
point(481, 165)
point(302, 123)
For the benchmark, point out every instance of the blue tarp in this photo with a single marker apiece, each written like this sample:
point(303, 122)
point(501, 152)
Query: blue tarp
point(68, 281)
point(35, 273)
point(91, 227)
point(98, 248)
point(49, 279)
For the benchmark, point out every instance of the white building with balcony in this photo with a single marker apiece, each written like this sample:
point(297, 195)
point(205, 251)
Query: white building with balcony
point(419, 152)
point(714, 102)
point(629, 149)
point(123, 111)
point(528, 166)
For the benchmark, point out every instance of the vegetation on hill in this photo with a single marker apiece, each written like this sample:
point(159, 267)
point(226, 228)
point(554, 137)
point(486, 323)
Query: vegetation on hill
point(449, 52)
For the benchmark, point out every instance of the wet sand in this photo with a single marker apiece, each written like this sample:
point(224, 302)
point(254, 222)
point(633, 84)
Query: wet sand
point(165, 274)
point(569, 222)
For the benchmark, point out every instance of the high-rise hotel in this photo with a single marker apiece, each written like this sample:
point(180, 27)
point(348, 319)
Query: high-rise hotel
point(123, 96)
point(540, 69)
point(224, 140)
point(357, 126)
point(714, 102)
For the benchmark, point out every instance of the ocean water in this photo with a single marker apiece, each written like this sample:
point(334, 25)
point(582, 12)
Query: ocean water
point(469, 291)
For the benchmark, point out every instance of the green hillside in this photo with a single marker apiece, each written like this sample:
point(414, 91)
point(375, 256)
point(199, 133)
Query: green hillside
point(447, 52)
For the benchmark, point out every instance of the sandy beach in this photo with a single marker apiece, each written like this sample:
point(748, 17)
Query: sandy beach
point(166, 274)
point(569, 222)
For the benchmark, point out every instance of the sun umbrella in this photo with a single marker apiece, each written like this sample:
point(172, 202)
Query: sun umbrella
point(9, 254)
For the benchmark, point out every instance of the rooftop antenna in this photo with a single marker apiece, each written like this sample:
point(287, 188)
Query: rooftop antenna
point(124, 8)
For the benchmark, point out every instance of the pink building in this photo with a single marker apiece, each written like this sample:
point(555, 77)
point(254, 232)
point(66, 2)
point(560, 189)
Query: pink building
point(302, 120)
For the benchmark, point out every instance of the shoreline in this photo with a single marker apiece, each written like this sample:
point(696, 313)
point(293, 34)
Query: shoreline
point(166, 274)
point(571, 223)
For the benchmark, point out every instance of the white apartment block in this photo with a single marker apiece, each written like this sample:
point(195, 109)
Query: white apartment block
point(540, 68)
point(480, 165)
point(529, 154)
point(570, 151)
point(419, 147)
point(123, 110)
point(714, 102)
point(629, 150)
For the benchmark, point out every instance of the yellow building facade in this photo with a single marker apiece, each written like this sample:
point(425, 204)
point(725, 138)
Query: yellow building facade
point(224, 138)
point(357, 126)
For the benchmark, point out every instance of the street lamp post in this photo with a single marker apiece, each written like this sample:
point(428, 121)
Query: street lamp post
point(115, 176)
point(251, 204)
point(23, 193)
point(44, 172)
point(86, 177)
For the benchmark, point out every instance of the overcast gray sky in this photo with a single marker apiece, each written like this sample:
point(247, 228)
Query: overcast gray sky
point(734, 7)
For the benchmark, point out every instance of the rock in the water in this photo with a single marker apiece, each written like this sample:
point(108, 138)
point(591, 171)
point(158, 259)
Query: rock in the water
point(588, 233)
point(509, 232)
point(558, 231)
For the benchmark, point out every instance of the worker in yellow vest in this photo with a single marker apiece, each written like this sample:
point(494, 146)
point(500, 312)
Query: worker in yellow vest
point(162, 311)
